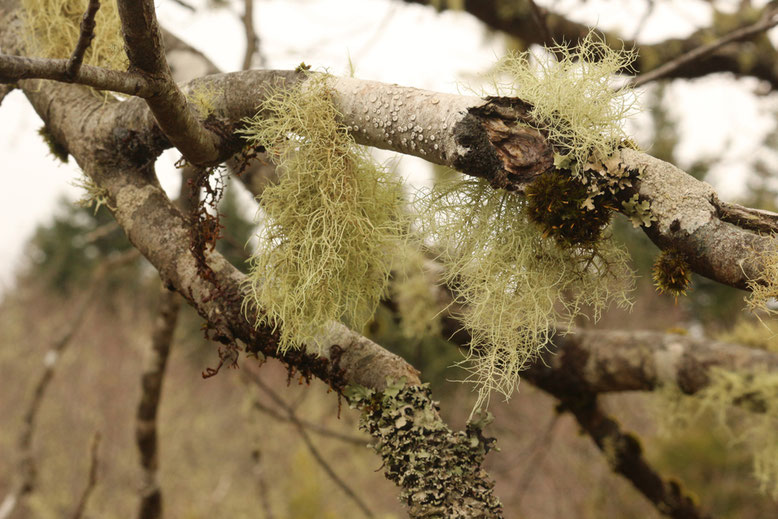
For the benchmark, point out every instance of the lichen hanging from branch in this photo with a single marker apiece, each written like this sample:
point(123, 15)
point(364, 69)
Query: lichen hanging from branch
point(333, 221)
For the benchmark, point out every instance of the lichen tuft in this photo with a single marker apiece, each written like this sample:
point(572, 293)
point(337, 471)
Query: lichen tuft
point(572, 99)
point(53, 27)
point(331, 224)
point(514, 285)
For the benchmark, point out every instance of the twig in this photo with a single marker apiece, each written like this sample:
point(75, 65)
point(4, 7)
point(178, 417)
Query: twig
point(84, 39)
point(252, 40)
point(625, 457)
point(146, 419)
point(259, 474)
point(27, 466)
point(14, 68)
point(92, 481)
point(185, 5)
point(768, 21)
point(643, 19)
point(315, 428)
point(540, 449)
point(292, 417)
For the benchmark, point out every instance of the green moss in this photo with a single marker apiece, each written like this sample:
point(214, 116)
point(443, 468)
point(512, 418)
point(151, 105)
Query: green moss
point(53, 27)
point(56, 149)
point(330, 225)
point(514, 285)
point(672, 273)
point(764, 288)
point(555, 202)
point(573, 101)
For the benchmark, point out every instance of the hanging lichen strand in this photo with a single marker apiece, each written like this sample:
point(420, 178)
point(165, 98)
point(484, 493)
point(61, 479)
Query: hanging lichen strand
point(521, 267)
point(515, 286)
point(331, 223)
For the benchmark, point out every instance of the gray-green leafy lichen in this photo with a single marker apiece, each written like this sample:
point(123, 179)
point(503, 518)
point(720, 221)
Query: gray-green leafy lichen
point(439, 470)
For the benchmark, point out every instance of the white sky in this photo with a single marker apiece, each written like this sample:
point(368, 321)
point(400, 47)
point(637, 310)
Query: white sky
point(398, 43)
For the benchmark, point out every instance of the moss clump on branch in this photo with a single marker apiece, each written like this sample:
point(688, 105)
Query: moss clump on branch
point(672, 273)
point(515, 285)
point(332, 223)
point(53, 27)
point(571, 96)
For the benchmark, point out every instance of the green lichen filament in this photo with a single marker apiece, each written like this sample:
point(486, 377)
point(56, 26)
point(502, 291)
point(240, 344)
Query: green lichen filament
point(330, 225)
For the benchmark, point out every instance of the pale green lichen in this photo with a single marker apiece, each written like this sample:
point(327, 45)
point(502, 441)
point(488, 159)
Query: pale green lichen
point(415, 291)
point(745, 405)
point(53, 26)
point(764, 288)
point(94, 195)
point(571, 95)
point(331, 224)
point(516, 287)
point(201, 97)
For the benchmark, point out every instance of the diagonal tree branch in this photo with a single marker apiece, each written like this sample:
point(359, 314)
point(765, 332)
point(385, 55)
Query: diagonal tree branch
point(518, 20)
point(768, 20)
point(292, 417)
point(625, 457)
point(176, 118)
point(78, 513)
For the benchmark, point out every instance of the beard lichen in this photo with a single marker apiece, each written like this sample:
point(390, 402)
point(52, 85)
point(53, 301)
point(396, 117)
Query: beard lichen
point(332, 222)
point(745, 405)
point(515, 285)
point(53, 27)
point(572, 100)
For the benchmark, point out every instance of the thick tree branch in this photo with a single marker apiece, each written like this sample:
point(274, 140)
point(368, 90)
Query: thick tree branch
point(768, 21)
point(176, 118)
point(518, 20)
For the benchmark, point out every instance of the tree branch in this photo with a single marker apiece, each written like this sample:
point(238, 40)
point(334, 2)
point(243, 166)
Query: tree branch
point(768, 20)
point(151, 390)
point(91, 480)
point(625, 456)
point(292, 417)
point(84, 38)
point(176, 118)
point(14, 68)
point(519, 22)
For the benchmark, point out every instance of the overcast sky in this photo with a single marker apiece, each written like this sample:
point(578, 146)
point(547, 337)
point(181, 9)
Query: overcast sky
point(398, 43)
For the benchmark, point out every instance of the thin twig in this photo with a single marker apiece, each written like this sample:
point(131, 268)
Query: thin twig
point(14, 68)
point(540, 449)
point(92, 481)
point(643, 19)
point(146, 422)
point(292, 417)
point(768, 21)
point(252, 40)
point(314, 428)
point(27, 467)
point(259, 474)
point(85, 38)
point(185, 5)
